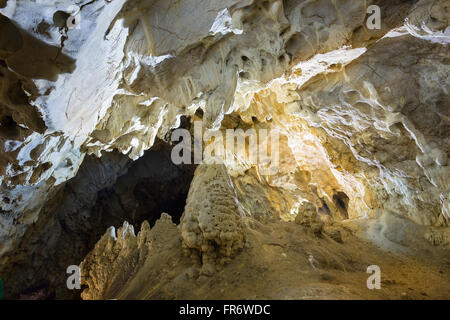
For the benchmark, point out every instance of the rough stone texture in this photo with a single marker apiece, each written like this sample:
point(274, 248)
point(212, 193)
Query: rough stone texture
point(211, 225)
point(400, 135)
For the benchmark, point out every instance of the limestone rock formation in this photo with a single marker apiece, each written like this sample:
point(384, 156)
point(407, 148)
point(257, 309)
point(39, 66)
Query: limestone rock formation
point(88, 108)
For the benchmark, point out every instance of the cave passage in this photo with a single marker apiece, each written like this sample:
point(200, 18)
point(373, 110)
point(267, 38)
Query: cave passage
point(105, 192)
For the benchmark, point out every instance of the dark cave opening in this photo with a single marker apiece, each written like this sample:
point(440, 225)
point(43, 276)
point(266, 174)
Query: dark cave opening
point(338, 208)
point(151, 186)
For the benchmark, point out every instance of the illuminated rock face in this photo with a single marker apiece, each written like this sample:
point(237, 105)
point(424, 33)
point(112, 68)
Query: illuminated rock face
point(363, 118)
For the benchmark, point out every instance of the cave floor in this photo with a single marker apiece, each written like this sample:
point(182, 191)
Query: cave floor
point(285, 260)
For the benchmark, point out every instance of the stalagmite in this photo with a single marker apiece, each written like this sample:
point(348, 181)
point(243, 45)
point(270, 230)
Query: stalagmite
point(94, 175)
